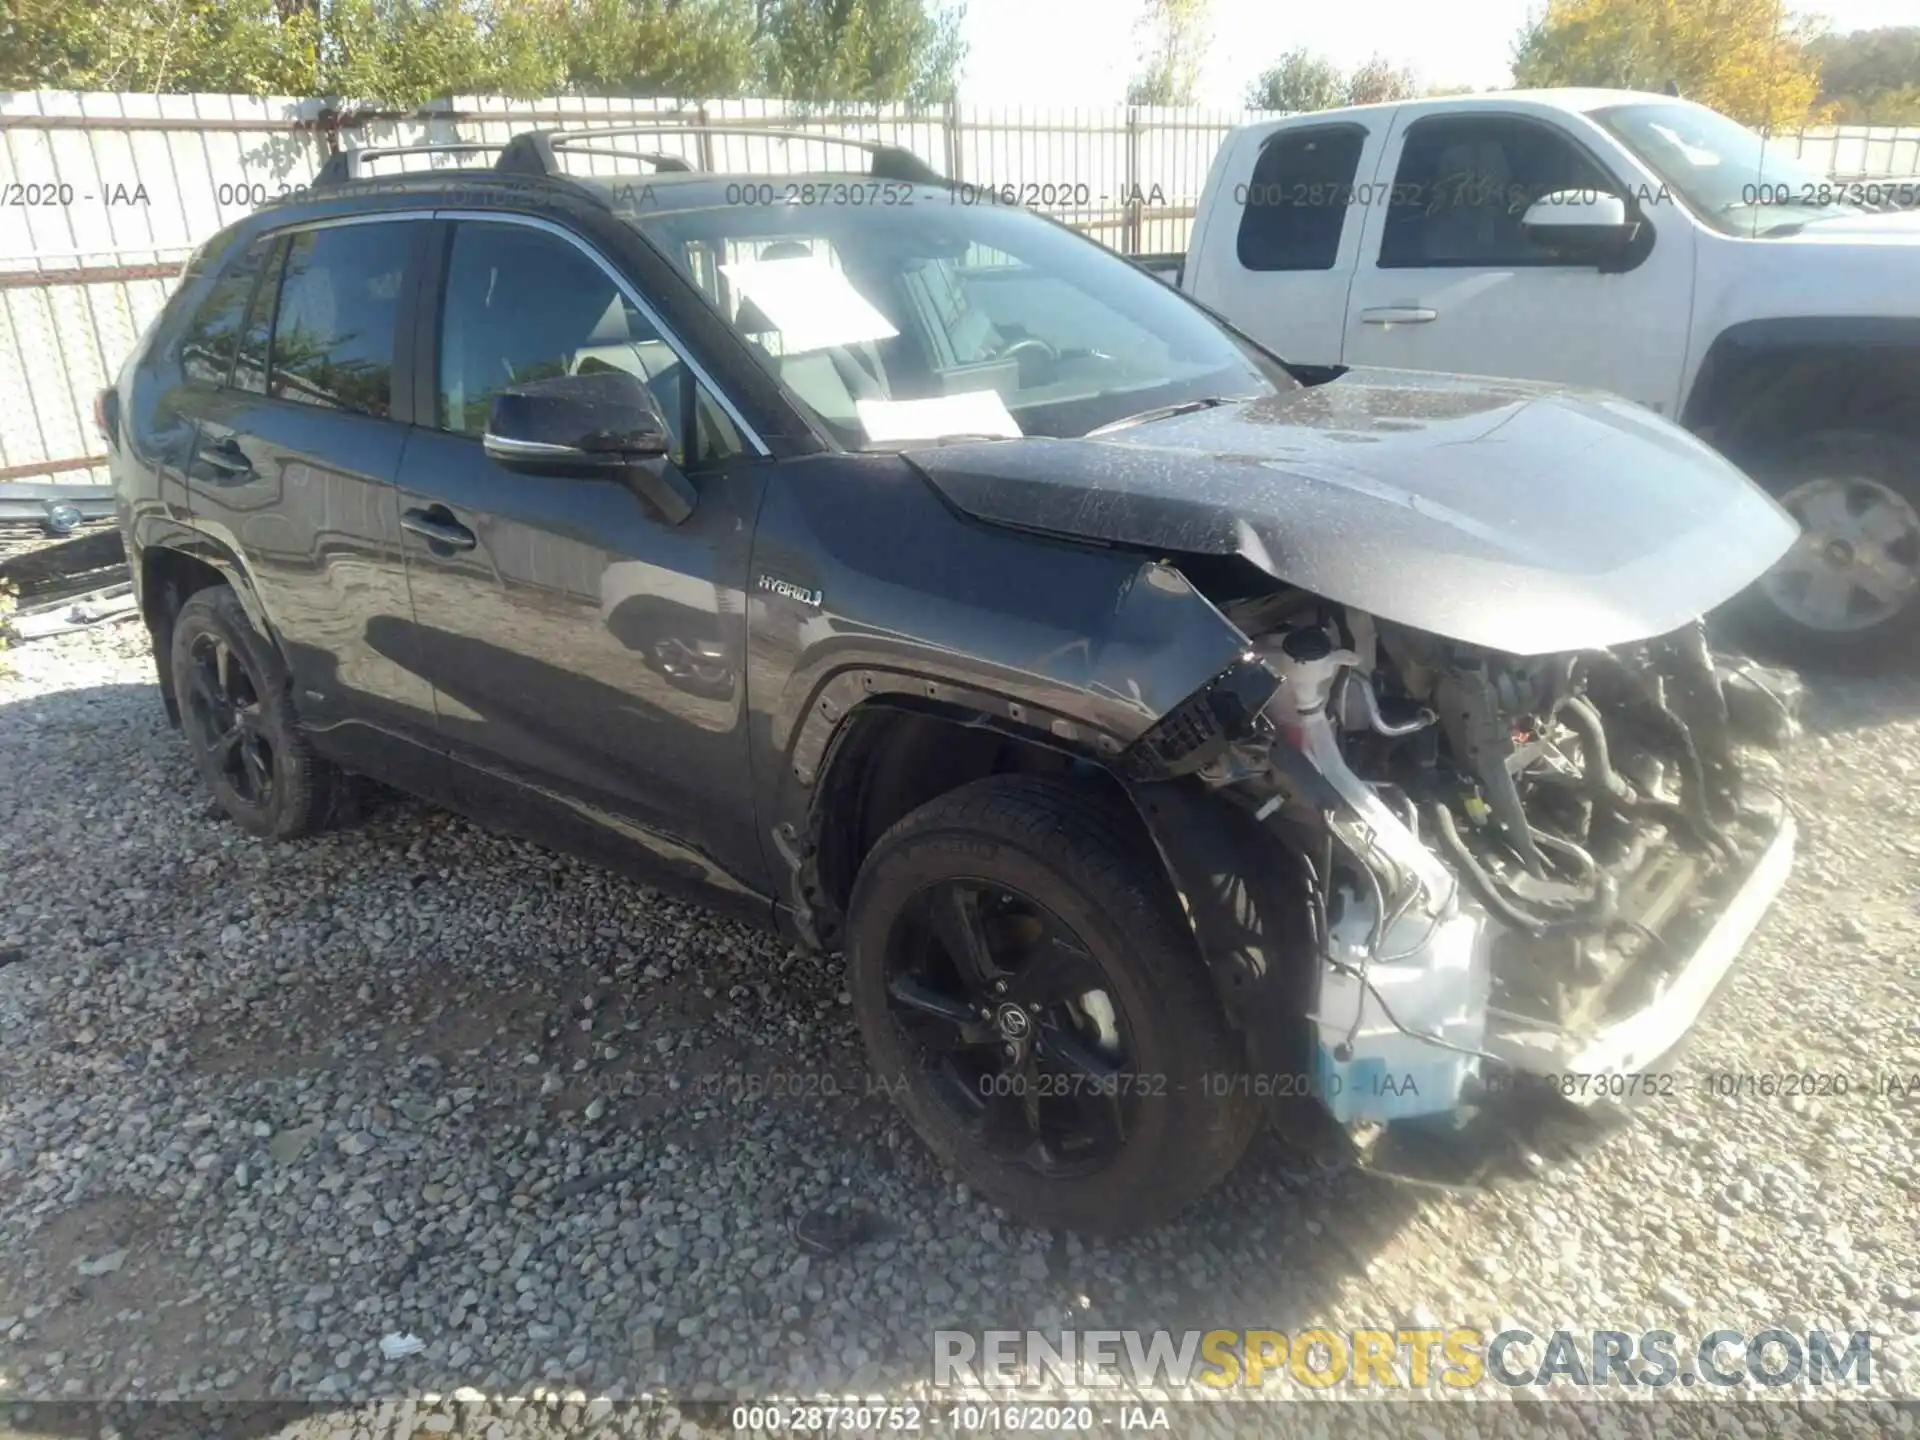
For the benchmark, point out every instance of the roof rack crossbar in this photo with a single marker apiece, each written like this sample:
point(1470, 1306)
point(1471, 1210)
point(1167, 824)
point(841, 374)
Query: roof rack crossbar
point(345, 165)
point(658, 160)
point(537, 151)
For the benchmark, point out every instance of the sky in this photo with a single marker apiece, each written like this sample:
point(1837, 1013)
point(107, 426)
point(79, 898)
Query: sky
point(1081, 52)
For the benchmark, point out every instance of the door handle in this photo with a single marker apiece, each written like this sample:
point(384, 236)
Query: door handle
point(1398, 315)
point(438, 527)
point(226, 455)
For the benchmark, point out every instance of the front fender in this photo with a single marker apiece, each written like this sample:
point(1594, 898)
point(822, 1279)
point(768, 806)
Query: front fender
point(867, 586)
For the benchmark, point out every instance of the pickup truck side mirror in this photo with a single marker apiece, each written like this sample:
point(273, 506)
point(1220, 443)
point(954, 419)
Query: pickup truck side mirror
point(602, 425)
point(1584, 224)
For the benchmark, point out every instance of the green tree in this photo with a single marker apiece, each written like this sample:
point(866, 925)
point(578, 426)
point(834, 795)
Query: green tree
point(1748, 58)
point(859, 51)
point(1298, 81)
point(243, 46)
point(1175, 46)
point(401, 52)
point(1871, 77)
point(1377, 82)
point(689, 48)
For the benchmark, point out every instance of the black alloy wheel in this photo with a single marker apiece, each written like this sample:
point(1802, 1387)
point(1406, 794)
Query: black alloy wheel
point(223, 710)
point(233, 694)
point(1016, 1025)
point(1032, 998)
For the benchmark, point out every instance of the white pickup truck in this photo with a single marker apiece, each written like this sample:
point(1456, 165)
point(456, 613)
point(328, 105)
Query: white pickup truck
point(1621, 241)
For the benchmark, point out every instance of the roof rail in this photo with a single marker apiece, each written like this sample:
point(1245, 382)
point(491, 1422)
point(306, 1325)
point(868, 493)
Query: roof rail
point(345, 165)
point(538, 152)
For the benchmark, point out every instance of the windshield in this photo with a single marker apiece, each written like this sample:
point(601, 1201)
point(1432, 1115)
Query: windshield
point(917, 316)
point(1723, 170)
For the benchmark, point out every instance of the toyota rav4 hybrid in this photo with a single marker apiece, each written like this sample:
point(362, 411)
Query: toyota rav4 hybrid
point(1169, 736)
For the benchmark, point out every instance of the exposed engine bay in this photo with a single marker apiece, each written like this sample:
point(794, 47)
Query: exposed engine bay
point(1541, 863)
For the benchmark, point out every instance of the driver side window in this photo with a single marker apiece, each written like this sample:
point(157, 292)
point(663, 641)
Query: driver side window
point(522, 304)
point(1464, 184)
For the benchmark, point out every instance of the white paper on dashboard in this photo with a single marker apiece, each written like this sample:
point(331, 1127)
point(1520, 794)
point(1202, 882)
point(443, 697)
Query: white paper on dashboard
point(977, 412)
point(810, 303)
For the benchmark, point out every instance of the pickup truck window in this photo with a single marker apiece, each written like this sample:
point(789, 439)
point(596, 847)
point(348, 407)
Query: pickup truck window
point(1293, 209)
point(1722, 170)
point(1463, 184)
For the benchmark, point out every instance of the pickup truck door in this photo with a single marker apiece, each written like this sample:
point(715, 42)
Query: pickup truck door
point(586, 654)
point(1282, 231)
point(1449, 281)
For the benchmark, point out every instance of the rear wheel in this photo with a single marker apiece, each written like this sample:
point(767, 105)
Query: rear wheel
point(232, 692)
point(1848, 592)
point(1026, 990)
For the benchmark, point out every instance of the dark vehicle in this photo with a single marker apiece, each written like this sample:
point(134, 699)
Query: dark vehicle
point(1168, 738)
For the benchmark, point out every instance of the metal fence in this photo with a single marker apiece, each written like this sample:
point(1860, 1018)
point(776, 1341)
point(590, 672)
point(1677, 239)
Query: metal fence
point(103, 196)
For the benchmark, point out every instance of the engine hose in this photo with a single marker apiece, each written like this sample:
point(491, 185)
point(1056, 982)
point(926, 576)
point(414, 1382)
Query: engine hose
point(1693, 774)
point(1603, 781)
point(1488, 889)
point(1589, 869)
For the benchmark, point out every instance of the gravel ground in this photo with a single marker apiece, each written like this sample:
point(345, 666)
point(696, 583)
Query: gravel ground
point(261, 1105)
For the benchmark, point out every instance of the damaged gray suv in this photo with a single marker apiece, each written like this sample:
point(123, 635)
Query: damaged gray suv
point(1172, 739)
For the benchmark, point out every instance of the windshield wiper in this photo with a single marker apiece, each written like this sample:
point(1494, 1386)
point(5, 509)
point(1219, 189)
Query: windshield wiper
point(1161, 412)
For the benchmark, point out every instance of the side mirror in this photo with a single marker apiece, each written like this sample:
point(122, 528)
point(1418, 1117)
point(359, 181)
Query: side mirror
point(599, 426)
point(1584, 223)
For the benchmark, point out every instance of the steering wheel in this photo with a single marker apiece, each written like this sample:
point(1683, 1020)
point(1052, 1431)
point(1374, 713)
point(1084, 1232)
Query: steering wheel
point(1028, 345)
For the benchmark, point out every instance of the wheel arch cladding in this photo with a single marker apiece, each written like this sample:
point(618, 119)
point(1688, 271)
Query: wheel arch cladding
point(1765, 381)
point(168, 577)
point(1239, 890)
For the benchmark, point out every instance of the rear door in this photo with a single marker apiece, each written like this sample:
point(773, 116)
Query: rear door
point(294, 468)
point(586, 655)
point(1449, 280)
point(1283, 237)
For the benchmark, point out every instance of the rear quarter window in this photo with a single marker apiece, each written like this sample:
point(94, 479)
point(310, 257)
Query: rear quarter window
point(211, 333)
point(1293, 210)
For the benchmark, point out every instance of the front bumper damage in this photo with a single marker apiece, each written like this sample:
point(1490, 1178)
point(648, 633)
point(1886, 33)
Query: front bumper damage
point(1436, 1006)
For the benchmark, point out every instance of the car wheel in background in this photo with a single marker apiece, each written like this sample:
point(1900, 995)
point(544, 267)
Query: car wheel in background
point(1848, 593)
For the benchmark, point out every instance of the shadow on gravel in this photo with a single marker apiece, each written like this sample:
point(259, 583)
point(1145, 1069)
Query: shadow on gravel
point(1840, 703)
point(479, 1052)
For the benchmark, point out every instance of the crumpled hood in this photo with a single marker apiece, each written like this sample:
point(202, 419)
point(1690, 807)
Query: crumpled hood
point(1510, 515)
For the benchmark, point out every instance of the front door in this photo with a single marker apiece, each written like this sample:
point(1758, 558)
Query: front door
point(585, 653)
point(1448, 280)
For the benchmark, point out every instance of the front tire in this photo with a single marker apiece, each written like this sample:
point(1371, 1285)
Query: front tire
point(231, 687)
point(1027, 991)
point(1847, 594)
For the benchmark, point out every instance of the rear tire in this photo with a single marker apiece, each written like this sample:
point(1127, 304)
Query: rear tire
point(1847, 596)
point(235, 710)
point(1126, 1055)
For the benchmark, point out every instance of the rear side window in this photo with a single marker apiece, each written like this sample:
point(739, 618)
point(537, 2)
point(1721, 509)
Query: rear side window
point(333, 330)
point(1464, 184)
point(1294, 208)
point(207, 344)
